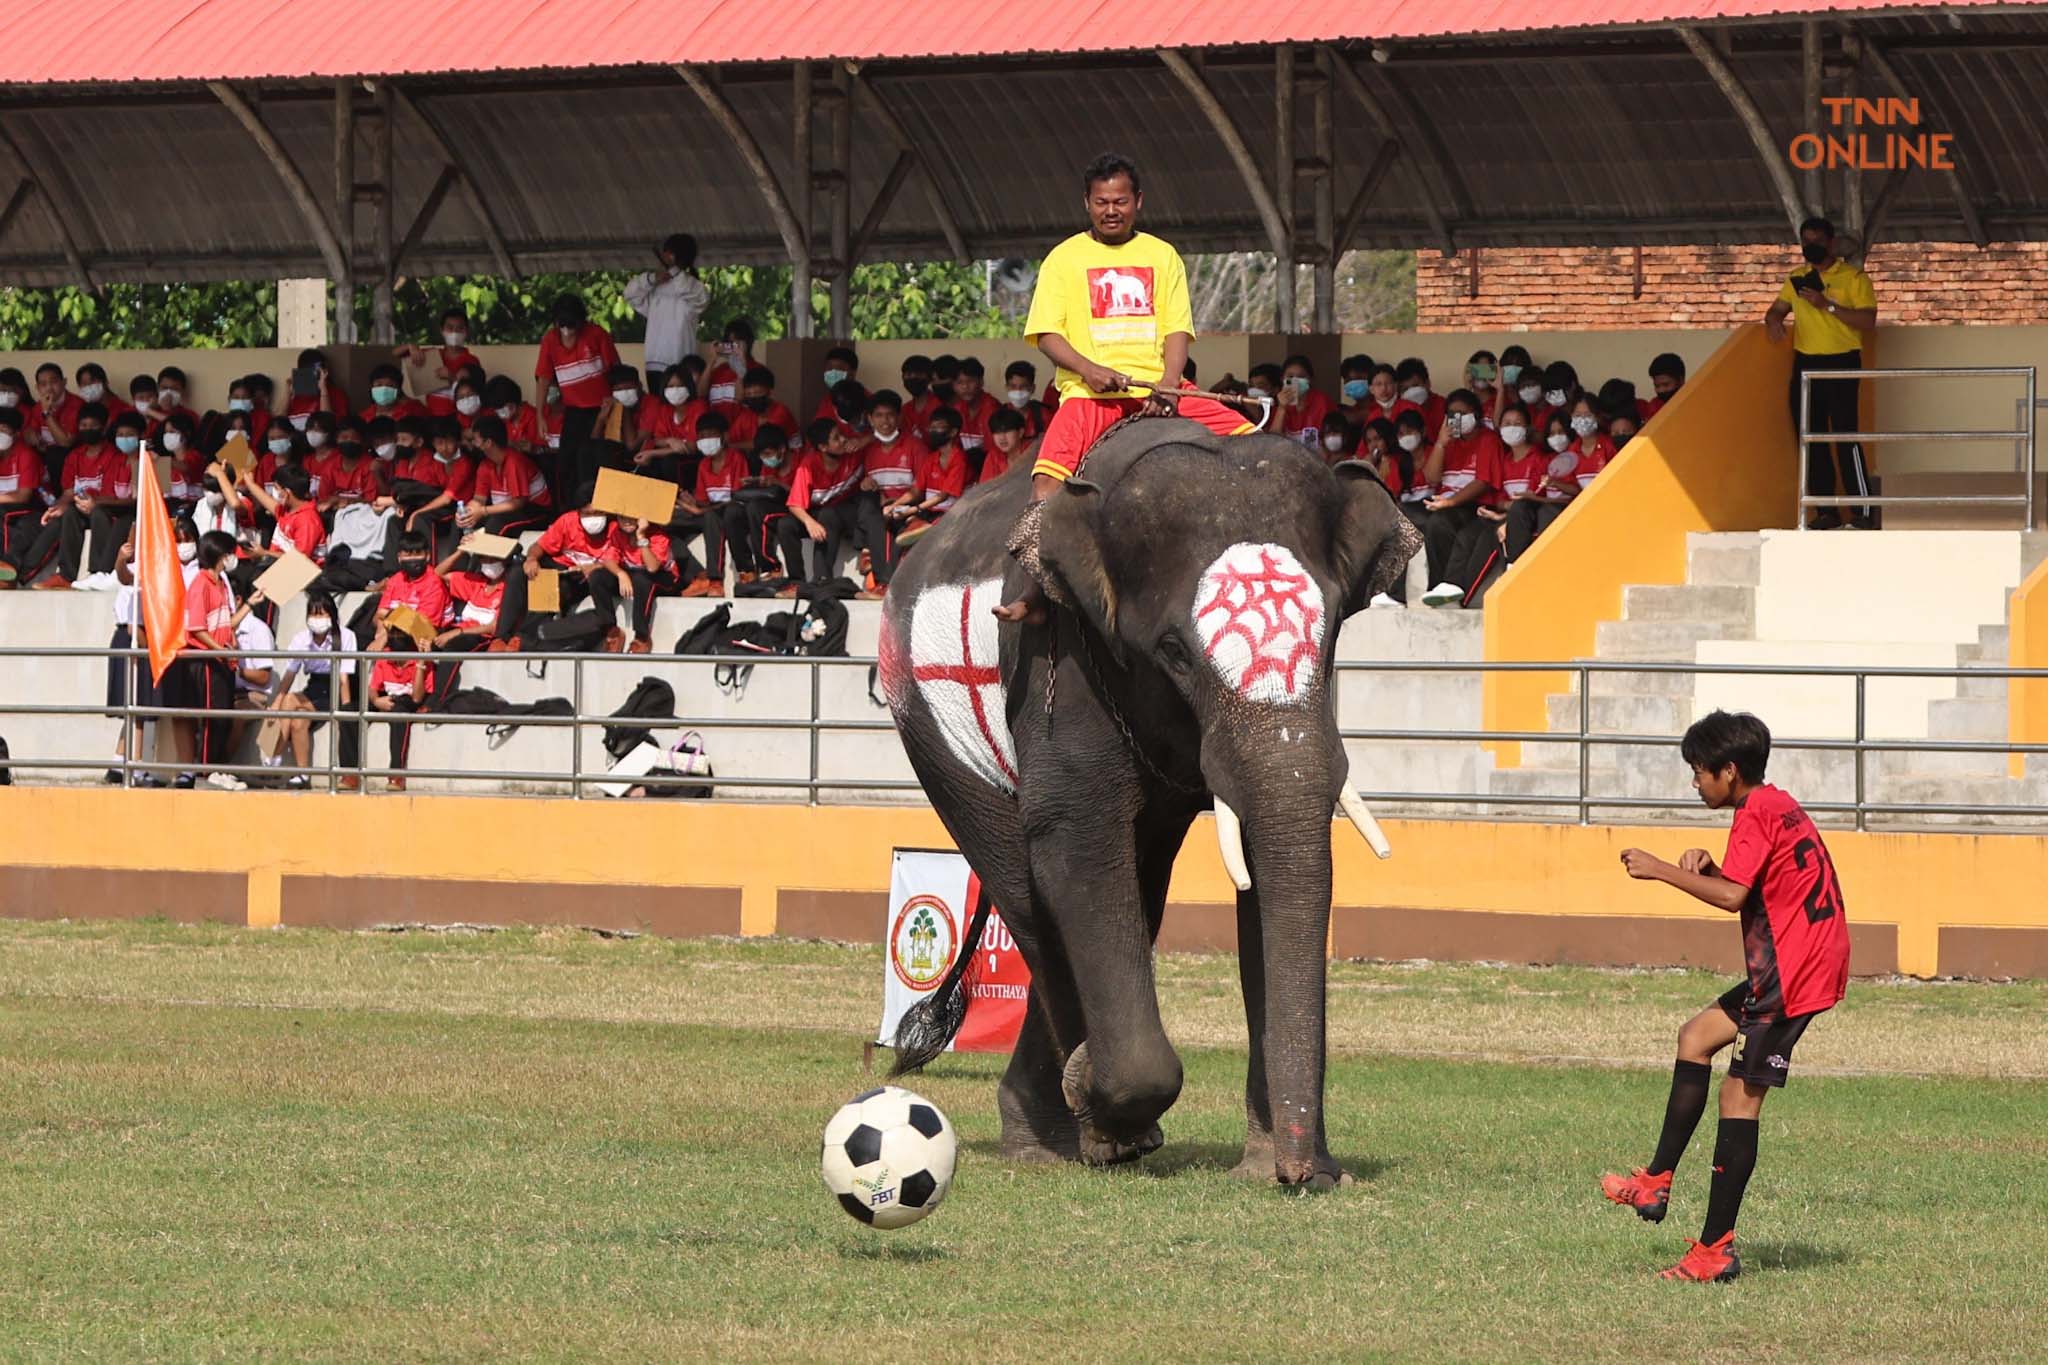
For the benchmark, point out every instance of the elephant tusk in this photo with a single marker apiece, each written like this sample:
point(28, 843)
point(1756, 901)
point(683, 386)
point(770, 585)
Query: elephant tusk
point(1353, 806)
point(1230, 842)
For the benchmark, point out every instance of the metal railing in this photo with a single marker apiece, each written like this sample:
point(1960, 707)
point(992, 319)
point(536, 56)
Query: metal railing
point(1583, 800)
point(2022, 436)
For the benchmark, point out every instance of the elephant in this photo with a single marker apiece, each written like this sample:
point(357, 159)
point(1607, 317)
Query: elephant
point(1199, 582)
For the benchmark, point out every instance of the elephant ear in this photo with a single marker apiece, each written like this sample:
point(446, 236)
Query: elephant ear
point(1070, 549)
point(1374, 540)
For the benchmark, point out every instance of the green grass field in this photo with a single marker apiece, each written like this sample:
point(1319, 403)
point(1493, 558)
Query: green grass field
point(223, 1144)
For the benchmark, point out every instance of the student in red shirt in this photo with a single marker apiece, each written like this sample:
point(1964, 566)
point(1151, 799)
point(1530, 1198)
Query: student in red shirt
point(56, 416)
point(890, 463)
point(206, 684)
point(446, 361)
point(1527, 385)
point(758, 407)
point(87, 498)
point(1589, 442)
point(1667, 377)
point(1020, 395)
point(1354, 378)
point(576, 356)
point(1465, 469)
point(397, 687)
point(172, 389)
point(916, 374)
point(1411, 377)
point(618, 425)
point(21, 482)
point(348, 473)
point(583, 546)
point(298, 524)
point(417, 584)
point(716, 500)
point(92, 388)
point(735, 347)
point(477, 619)
point(823, 503)
point(1410, 457)
point(326, 395)
point(1384, 400)
point(942, 479)
point(974, 406)
point(668, 429)
point(1340, 439)
point(653, 570)
point(1560, 389)
point(1482, 376)
point(387, 396)
point(1304, 409)
point(1539, 484)
point(842, 366)
point(1009, 445)
point(1778, 877)
point(523, 428)
point(509, 495)
point(435, 481)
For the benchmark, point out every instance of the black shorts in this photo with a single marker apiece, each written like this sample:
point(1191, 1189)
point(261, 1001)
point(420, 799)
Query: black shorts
point(1763, 1047)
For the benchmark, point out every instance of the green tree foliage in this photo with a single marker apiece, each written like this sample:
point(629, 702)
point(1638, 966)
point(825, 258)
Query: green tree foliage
point(139, 317)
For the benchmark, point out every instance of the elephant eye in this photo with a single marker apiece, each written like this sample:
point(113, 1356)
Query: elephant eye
point(1173, 653)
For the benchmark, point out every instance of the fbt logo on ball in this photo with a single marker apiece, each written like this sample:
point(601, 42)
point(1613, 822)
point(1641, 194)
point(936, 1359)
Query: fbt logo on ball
point(1260, 619)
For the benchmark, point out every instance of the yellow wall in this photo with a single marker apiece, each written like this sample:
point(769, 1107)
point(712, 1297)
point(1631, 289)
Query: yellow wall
point(2027, 647)
point(1903, 880)
point(1717, 458)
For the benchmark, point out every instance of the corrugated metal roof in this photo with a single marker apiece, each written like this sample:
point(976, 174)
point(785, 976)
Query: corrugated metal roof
point(86, 41)
point(1600, 138)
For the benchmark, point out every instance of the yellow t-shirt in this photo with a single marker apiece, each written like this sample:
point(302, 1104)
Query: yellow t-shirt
point(1116, 305)
point(1816, 331)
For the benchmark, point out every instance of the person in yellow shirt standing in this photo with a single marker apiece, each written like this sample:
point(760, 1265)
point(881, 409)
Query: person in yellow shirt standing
point(1828, 322)
point(1111, 312)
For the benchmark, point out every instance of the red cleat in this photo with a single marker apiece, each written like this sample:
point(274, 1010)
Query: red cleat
point(1707, 1262)
point(1649, 1195)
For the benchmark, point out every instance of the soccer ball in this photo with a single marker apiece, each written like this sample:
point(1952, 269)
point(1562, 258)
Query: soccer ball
point(888, 1157)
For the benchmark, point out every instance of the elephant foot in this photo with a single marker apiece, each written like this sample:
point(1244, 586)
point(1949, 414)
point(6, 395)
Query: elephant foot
point(1098, 1146)
point(1099, 1150)
point(1260, 1164)
point(1037, 1133)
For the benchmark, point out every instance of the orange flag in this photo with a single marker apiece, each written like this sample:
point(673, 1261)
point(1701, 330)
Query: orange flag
point(157, 573)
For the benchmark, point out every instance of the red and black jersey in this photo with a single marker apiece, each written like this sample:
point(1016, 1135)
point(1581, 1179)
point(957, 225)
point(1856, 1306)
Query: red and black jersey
point(480, 598)
point(744, 423)
point(974, 420)
point(719, 477)
point(427, 595)
point(1304, 421)
point(581, 369)
point(21, 469)
point(567, 542)
point(345, 484)
point(943, 474)
point(815, 485)
point(1479, 458)
point(517, 477)
point(1795, 932)
point(301, 529)
point(893, 465)
point(663, 423)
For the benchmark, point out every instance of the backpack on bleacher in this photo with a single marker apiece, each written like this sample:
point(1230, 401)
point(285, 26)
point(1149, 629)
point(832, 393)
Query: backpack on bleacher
point(651, 699)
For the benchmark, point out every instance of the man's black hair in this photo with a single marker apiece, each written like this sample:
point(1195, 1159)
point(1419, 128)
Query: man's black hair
point(820, 431)
point(714, 424)
point(10, 418)
point(1817, 224)
point(971, 367)
point(51, 367)
point(1023, 367)
point(885, 398)
point(1302, 361)
point(448, 427)
point(584, 493)
point(390, 372)
point(414, 543)
point(420, 428)
point(946, 368)
point(1465, 396)
point(96, 411)
point(683, 247)
point(1109, 166)
point(942, 413)
point(489, 428)
point(1266, 371)
point(294, 480)
point(130, 420)
point(741, 328)
point(1617, 398)
point(1668, 363)
point(569, 310)
point(215, 546)
point(845, 353)
point(1355, 364)
point(91, 371)
point(917, 362)
point(1414, 367)
point(622, 374)
point(171, 372)
point(758, 376)
point(1559, 374)
point(502, 391)
point(1722, 738)
point(380, 426)
point(1006, 419)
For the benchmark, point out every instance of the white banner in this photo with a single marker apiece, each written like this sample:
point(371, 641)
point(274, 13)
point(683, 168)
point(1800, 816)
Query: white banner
point(931, 899)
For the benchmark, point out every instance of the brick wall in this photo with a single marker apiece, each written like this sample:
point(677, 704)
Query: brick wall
point(1546, 288)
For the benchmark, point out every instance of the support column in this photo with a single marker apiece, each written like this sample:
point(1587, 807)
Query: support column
point(1284, 318)
point(382, 326)
point(1811, 77)
point(345, 212)
point(800, 262)
point(1325, 194)
point(301, 314)
point(842, 202)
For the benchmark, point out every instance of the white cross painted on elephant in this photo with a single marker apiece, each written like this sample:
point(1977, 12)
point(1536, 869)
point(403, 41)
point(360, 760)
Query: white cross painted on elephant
point(1260, 618)
point(955, 662)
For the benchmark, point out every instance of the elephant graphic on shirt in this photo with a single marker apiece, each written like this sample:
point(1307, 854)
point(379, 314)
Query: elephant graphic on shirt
point(1125, 292)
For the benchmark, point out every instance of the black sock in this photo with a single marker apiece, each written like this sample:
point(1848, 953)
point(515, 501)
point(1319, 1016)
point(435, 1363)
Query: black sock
point(1681, 1114)
point(1734, 1159)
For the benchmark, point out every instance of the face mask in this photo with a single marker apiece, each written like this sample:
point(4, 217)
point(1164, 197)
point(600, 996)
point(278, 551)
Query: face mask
point(1355, 390)
point(1510, 373)
point(1554, 397)
point(1530, 392)
point(1463, 423)
point(1557, 441)
point(917, 387)
point(1019, 397)
point(1417, 394)
point(6, 440)
point(90, 435)
point(676, 394)
point(187, 552)
point(318, 626)
point(937, 438)
point(756, 404)
point(174, 440)
point(412, 568)
point(469, 405)
point(890, 439)
point(494, 570)
point(351, 449)
point(1482, 374)
point(833, 378)
point(92, 393)
point(1409, 441)
point(1620, 440)
point(448, 458)
point(9, 398)
point(1299, 383)
point(1514, 436)
point(241, 405)
point(387, 451)
point(383, 395)
point(169, 397)
point(567, 334)
point(1814, 252)
point(215, 500)
point(453, 339)
point(279, 445)
point(626, 398)
point(710, 445)
point(773, 461)
point(593, 526)
point(1585, 426)
point(1333, 444)
point(506, 413)
point(1256, 391)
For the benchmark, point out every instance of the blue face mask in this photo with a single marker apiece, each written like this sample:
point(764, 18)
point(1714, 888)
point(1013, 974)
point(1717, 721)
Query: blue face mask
point(834, 378)
point(1355, 390)
point(127, 445)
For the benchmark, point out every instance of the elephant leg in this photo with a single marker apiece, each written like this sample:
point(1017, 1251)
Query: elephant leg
point(1037, 1124)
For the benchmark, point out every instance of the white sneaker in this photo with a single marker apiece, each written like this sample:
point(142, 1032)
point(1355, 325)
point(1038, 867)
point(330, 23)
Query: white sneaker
point(226, 782)
point(1380, 599)
point(1443, 594)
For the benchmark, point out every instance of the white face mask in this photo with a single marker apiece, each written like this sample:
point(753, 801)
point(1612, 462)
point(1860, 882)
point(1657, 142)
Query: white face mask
point(1514, 435)
point(626, 398)
point(495, 569)
point(241, 405)
point(1333, 444)
point(1510, 373)
point(453, 339)
point(593, 526)
point(215, 500)
point(890, 439)
point(710, 445)
point(319, 626)
point(1554, 397)
point(469, 405)
point(1417, 394)
point(1256, 391)
point(92, 393)
point(280, 445)
point(187, 552)
point(1585, 426)
point(1557, 440)
point(1409, 441)
point(388, 450)
point(508, 412)
point(1530, 392)
point(168, 398)
point(1019, 397)
point(676, 394)
point(174, 440)
point(1463, 423)
point(316, 438)
point(6, 440)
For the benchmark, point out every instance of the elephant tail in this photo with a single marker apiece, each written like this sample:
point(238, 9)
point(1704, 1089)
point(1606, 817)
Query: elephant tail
point(927, 1026)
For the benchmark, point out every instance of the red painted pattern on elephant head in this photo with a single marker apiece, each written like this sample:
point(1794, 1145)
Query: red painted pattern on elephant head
point(1260, 618)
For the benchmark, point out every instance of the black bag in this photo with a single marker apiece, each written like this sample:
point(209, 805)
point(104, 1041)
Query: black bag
point(842, 588)
point(546, 706)
point(821, 634)
point(474, 701)
point(7, 772)
point(575, 632)
point(762, 587)
point(699, 638)
point(651, 699)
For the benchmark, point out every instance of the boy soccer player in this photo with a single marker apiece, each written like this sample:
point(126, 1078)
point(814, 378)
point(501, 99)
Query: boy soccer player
point(1795, 943)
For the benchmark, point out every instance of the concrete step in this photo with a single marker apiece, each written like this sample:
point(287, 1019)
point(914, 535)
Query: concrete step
point(1623, 714)
point(1735, 606)
point(1638, 684)
point(1665, 641)
point(1983, 688)
point(1967, 718)
point(1731, 559)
